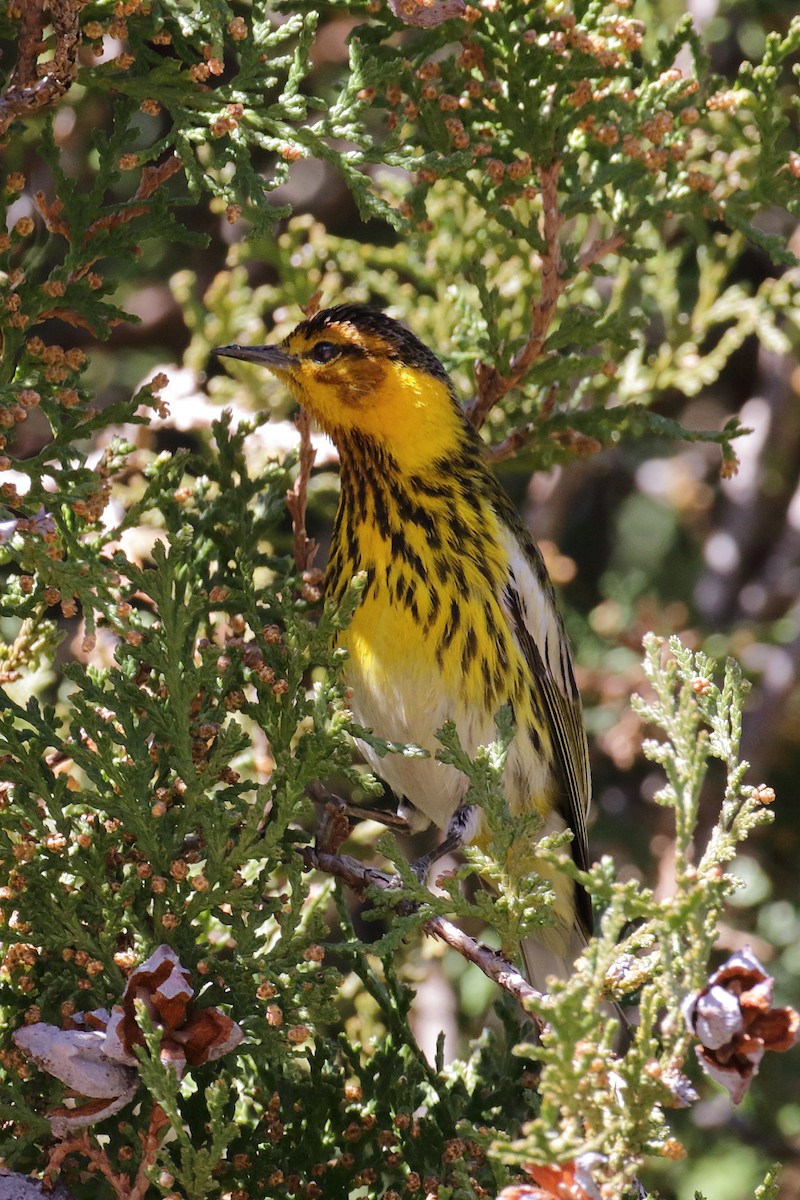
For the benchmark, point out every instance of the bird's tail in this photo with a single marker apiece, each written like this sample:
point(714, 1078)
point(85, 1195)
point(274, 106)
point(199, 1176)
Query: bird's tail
point(554, 953)
point(555, 947)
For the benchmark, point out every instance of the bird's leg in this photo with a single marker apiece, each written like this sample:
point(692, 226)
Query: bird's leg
point(461, 829)
point(322, 795)
point(360, 812)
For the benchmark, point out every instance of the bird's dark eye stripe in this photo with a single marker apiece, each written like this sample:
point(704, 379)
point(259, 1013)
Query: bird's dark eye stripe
point(326, 351)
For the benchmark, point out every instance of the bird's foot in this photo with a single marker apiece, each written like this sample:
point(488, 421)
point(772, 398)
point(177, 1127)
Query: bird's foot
point(461, 829)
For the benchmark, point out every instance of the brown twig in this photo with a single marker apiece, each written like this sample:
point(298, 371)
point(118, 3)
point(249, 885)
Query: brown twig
point(50, 212)
point(492, 383)
point(152, 178)
point(151, 1144)
point(510, 445)
point(305, 548)
point(518, 437)
point(123, 1189)
point(359, 877)
point(598, 250)
point(97, 1158)
point(312, 308)
point(31, 87)
point(580, 445)
point(70, 317)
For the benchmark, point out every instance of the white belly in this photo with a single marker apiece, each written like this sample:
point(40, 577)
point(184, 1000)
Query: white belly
point(408, 709)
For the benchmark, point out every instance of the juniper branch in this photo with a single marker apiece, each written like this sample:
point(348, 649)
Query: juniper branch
point(360, 877)
point(29, 91)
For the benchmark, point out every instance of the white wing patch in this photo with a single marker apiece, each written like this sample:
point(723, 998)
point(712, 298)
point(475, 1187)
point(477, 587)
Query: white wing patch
point(540, 617)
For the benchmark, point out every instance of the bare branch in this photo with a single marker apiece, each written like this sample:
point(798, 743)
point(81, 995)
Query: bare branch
point(510, 445)
point(98, 1159)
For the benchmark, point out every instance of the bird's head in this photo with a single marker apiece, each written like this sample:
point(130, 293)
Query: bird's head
point(356, 371)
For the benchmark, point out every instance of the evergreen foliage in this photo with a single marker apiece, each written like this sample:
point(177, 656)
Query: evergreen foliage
point(559, 199)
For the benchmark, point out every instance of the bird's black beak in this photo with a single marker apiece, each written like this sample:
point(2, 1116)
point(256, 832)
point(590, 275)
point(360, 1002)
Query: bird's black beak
point(271, 357)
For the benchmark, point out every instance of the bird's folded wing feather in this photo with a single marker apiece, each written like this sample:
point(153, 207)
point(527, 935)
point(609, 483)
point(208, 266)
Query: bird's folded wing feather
point(540, 634)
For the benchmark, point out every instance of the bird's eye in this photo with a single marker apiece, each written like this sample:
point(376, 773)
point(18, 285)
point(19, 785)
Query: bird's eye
point(323, 352)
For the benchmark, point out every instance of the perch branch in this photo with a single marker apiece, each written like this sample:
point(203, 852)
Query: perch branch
point(359, 877)
point(598, 250)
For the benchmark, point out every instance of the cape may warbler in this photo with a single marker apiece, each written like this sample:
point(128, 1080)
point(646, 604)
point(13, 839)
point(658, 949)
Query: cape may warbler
point(458, 616)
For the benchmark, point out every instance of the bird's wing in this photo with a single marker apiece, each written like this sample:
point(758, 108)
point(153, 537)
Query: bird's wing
point(537, 624)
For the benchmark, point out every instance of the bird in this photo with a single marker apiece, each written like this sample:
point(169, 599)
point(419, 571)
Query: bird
point(458, 616)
